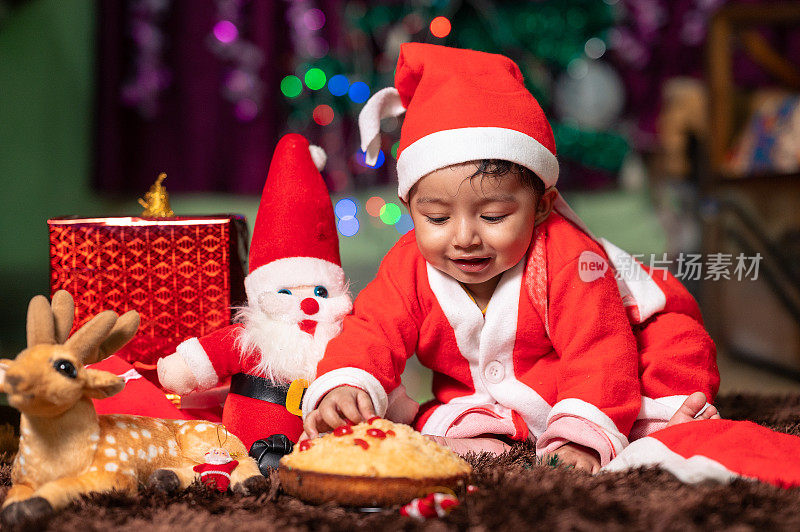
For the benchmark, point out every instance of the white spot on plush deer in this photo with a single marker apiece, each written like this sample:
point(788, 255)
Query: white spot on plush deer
point(66, 449)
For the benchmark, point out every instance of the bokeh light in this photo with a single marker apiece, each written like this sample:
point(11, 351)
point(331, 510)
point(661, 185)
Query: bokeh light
point(361, 159)
point(291, 86)
point(323, 114)
point(395, 146)
point(314, 19)
point(317, 47)
point(359, 92)
point(245, 110)
point(440, 27)
point(594, 48)
point(338, 85)
point(374, 205)
point(225, 31)
point(404, 224)
point(348, 226)
point(390, 213)
point(345, 207)
point(315, 79)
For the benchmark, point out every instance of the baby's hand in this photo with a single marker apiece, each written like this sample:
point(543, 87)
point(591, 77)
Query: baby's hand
point(572, 454)
point(339, 405)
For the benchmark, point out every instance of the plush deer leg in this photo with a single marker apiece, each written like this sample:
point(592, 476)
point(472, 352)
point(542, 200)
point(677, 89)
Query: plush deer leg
point(30, 514)
point(61, 492)
point(171, 479)
point(18, 492)
point(246, 469)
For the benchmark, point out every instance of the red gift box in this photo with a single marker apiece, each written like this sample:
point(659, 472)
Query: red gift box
point(183, 274)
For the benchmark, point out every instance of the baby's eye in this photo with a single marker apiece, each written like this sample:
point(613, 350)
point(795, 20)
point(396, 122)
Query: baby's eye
point(285, 291)
point(494, 218)
point(320, 291)
point(437, 220)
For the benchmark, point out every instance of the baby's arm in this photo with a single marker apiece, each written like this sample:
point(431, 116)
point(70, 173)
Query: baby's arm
point(376, 339)
point(598, 387)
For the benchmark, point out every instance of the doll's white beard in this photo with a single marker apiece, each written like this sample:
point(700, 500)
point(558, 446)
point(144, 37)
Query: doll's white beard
point(286, 352)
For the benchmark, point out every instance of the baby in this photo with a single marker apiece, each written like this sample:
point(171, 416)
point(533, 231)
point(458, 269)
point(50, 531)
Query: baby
point(490, 289)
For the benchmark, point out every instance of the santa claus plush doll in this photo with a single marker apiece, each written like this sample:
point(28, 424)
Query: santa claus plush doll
point(216, 471)
point(296, 299)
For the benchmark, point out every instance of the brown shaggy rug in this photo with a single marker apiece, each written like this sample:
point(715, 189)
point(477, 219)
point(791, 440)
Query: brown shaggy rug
point(514, 494)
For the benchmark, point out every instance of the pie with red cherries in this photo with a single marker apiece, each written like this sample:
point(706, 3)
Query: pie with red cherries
point(377, 463)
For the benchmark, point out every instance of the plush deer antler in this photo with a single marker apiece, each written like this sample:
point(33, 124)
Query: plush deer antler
point(66, 449)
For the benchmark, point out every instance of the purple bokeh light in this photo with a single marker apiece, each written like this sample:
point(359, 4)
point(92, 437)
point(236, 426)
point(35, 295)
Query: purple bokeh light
point(314, 19)
point(225, 31)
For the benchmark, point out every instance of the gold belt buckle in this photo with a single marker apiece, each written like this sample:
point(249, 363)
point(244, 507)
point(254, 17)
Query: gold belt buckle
point(294, 397)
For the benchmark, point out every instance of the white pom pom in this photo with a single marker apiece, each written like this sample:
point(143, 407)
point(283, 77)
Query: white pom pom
point(319, 156)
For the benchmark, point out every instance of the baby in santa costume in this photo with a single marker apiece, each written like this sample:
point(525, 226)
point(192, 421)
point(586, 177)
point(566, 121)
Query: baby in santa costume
point(501, 289)
point(296, 299)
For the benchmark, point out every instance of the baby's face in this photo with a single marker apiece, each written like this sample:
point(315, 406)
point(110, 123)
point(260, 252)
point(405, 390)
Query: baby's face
point(472, 229)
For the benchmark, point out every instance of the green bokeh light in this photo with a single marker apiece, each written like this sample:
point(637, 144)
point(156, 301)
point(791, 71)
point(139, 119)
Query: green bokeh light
point(394, 149)
point(390, 213)
point(315, 79)
point(291, 86)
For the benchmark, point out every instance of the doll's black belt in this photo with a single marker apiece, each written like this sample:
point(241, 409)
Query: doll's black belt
point(267, 390)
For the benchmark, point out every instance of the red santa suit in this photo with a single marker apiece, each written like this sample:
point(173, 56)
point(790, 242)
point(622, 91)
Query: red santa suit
point(216, 476)
point(282, 335)
point(249, 415)
point(527, 382)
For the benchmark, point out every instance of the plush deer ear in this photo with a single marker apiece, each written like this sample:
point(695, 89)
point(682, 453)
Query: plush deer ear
point(40, 327)
point(124, 330)
point(101, 384)
point(63, 314)
point(3, 368)
point(86, 341)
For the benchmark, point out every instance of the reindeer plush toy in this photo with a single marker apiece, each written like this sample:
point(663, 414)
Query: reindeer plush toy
point(65, 448)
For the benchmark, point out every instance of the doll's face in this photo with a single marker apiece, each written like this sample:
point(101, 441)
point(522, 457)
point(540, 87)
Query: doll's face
point(217, 455)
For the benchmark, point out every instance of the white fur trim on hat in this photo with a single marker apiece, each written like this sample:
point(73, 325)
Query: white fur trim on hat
point(651, 452)
point(319, 156)
point(453, 146)
point(295, 271)
point(383, 104)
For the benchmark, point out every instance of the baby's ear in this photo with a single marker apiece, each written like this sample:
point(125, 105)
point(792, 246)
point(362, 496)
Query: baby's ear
point(102, 384)
point(3, 367)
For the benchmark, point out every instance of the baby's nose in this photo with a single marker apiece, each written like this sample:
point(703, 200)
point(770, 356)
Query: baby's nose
point(309, 305)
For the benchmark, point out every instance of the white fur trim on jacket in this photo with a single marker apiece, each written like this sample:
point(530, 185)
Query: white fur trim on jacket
point(294, 271)
point(358, 378)
point(636, 287)
point(487, 343)
point(453, 146)
point(651, 452)
point(196, 358)
point(577, 408)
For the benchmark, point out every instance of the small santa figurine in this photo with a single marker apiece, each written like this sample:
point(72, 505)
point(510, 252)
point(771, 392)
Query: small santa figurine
point(216, 471)
point(296, 299)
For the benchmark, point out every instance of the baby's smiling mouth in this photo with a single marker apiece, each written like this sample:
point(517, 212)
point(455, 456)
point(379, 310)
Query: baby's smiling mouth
point(471, 264)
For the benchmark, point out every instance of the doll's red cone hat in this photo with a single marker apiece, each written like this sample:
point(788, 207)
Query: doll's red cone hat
point(294, 238)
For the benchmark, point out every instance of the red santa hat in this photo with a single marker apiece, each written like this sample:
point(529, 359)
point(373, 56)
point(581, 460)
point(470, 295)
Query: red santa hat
point(460, 105)
point(716, 449)
point(464, 105)
point(294, 238)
